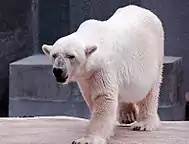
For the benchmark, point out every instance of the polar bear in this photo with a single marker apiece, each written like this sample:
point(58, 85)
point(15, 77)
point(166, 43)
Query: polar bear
point(116, 61)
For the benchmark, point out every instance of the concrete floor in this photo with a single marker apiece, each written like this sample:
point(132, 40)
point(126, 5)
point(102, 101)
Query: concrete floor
point(63, 130)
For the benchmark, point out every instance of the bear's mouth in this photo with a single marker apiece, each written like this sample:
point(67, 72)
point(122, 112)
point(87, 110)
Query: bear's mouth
point(61, 79)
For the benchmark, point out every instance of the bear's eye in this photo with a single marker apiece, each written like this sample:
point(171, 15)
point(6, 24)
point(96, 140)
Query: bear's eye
point(70, 56)
point(54, 56)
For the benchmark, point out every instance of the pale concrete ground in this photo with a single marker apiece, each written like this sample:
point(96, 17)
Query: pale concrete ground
point(63, 130)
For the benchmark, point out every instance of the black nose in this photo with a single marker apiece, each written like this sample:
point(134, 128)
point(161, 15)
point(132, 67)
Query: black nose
point(57, 72)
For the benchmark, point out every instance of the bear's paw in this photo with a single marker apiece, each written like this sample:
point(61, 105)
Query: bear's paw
point(149, 124)
point(90, 140)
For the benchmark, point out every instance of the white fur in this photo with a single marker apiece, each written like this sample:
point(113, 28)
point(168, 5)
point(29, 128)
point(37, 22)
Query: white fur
point(126, 66)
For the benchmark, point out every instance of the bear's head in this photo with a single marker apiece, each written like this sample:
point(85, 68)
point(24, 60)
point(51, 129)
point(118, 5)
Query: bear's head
point(69, 57)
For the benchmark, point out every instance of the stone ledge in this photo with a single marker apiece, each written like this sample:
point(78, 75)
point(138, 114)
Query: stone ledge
point(32, 86)
point(37, 107)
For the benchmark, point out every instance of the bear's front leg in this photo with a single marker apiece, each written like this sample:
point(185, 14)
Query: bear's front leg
point(102, 121)
point(103, 118)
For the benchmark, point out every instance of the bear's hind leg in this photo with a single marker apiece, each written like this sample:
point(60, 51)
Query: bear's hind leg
point(148, 111)
point(128, 113)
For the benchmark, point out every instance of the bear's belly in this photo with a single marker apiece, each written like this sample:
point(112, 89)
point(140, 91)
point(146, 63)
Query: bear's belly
point(133, 88)
point(133, 93)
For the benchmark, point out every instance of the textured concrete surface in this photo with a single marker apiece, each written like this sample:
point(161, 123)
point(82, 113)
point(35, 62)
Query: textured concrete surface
point(172, 98)
point(172, 89)
point(16, 40)
point(56, 130)
point(34, 91)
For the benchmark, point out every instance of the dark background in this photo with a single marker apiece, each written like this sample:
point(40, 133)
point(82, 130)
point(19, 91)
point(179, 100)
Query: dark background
point(26, 24)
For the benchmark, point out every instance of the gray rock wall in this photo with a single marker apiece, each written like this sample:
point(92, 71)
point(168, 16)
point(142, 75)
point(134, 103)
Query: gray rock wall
point(16, 40)
point(82, 10)
point(53, 21)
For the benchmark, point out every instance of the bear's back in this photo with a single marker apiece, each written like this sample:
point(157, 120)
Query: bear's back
point(130, 41)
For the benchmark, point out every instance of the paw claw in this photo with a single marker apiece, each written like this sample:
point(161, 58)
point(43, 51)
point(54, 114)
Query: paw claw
point(74, 142)
point(90, 140)
point(136, 128)
point(148, 124)
point(128, 113)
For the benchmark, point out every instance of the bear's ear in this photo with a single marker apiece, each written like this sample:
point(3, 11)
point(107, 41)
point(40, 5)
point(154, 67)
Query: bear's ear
point(46, 49)
point(90, 49)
